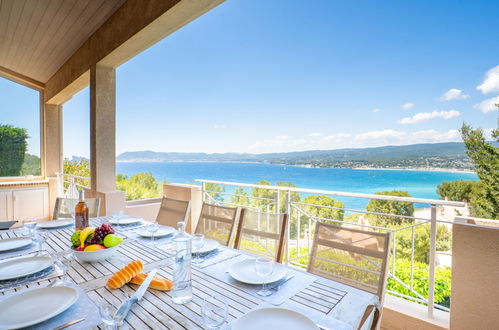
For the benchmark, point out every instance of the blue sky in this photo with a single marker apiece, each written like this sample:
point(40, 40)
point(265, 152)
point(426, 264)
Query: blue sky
point(268, 75)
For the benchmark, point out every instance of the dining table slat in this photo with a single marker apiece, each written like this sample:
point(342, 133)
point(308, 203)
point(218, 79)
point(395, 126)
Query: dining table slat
point(329, 303)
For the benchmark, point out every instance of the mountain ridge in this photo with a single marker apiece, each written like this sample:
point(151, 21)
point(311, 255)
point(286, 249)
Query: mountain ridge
point(438, 155)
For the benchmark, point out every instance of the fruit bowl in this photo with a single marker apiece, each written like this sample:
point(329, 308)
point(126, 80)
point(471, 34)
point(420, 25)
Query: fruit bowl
point(95, 256)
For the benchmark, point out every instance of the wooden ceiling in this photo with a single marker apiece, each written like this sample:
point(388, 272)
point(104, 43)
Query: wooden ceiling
point(38, 36)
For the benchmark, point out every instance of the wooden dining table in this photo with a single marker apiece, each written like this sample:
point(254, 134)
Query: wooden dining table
point(330, 304)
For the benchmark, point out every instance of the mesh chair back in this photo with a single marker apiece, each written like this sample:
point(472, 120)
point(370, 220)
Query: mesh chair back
point(65, 207)
point(355, 257)
point(217, 222)
point(262, 233)
point(172, 211)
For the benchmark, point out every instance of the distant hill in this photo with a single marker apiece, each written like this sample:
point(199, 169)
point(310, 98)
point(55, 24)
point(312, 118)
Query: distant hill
point(435, 155)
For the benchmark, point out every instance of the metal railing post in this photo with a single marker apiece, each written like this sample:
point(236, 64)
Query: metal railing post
point(433, 250)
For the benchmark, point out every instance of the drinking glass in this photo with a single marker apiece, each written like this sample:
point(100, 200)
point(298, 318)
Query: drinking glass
point(197, 243)
point(106, 311)
point(65, 260)
point(30, 224)
point(214, 311)
point(264, 268)
point(152, 229)
point(40, 238)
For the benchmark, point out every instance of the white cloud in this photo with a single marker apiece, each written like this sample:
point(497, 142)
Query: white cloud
point(375, 110)
point(491, 82)
point(489, 105)
point(315, 134)
point(454, 94)
point(424, 116)
point(284, 143)
point(407, 106)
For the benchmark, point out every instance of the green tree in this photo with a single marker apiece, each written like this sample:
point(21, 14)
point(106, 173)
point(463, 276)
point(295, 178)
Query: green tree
point(240, 197)
point(263, 196)
point(459, 190)
point(323, 212)
point(31, 165)
point(139, 186)
point(390, 207)
point(13, 146)
point(79, 168)
point(485, 156)
point(293, 195)
point(215, 191)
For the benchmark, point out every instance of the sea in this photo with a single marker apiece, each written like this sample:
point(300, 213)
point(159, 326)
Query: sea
point(420, 184)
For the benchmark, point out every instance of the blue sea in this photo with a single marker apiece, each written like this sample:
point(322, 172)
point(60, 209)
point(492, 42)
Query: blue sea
point(420, 184)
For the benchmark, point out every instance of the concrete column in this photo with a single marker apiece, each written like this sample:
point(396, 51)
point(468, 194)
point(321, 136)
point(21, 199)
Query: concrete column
point(52, 156)
point(186, 192)
point(53, 151)
point(103, 128)
point(103, 139)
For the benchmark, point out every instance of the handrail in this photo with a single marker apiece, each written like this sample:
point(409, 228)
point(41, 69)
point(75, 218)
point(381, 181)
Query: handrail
point(341, 193)
point(74, 176)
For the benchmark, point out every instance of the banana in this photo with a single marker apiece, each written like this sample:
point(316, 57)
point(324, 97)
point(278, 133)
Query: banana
point(84, 234)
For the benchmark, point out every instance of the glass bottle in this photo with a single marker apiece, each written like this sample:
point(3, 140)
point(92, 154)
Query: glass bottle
point(81, 212)
point(182, 276)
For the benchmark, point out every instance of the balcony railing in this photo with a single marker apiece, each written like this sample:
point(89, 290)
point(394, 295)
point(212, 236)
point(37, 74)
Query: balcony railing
point(68, 185)
point(414, 244)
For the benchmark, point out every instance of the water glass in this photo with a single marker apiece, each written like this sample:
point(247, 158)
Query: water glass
point(264, 268)
point(118, 215)
point(65, 260)
point(30, 224)
point(107, 311)
point(198, 241)
point(40, 238)
point(214, 311)
point(152, 229)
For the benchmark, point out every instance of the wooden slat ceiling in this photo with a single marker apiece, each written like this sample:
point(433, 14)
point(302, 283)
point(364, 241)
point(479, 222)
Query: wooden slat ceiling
point(38, 36)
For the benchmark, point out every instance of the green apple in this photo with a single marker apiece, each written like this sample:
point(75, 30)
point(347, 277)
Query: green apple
point(112, 240)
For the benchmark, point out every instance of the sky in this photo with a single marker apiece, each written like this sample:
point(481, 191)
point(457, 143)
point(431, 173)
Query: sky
point(279, 75)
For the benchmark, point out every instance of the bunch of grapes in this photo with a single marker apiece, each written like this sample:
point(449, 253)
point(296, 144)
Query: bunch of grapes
point(100, 233)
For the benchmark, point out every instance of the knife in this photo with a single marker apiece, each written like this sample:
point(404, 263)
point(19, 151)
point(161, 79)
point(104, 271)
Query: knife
point(125, 307)
point(277, 285)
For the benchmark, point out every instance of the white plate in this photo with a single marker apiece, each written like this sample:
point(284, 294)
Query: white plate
point(244, 271)
point(21, 267)
point(55, 224)
point(14, 243)
point(124, 221)
point(35, 306)
point(209, 245)
point(162, 232)
point(274, 318)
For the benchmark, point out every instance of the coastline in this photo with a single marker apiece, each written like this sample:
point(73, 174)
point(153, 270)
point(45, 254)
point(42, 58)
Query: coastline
point(365, 168)
point(427, 169)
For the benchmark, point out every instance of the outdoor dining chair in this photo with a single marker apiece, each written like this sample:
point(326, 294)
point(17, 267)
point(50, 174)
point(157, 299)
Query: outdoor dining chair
point(217, 222)
point(262, 233)
point(355, 257)
point(65, 207)
point(172, 211)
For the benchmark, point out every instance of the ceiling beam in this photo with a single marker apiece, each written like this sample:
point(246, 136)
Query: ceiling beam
point(134, 27)
point(21, 79)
